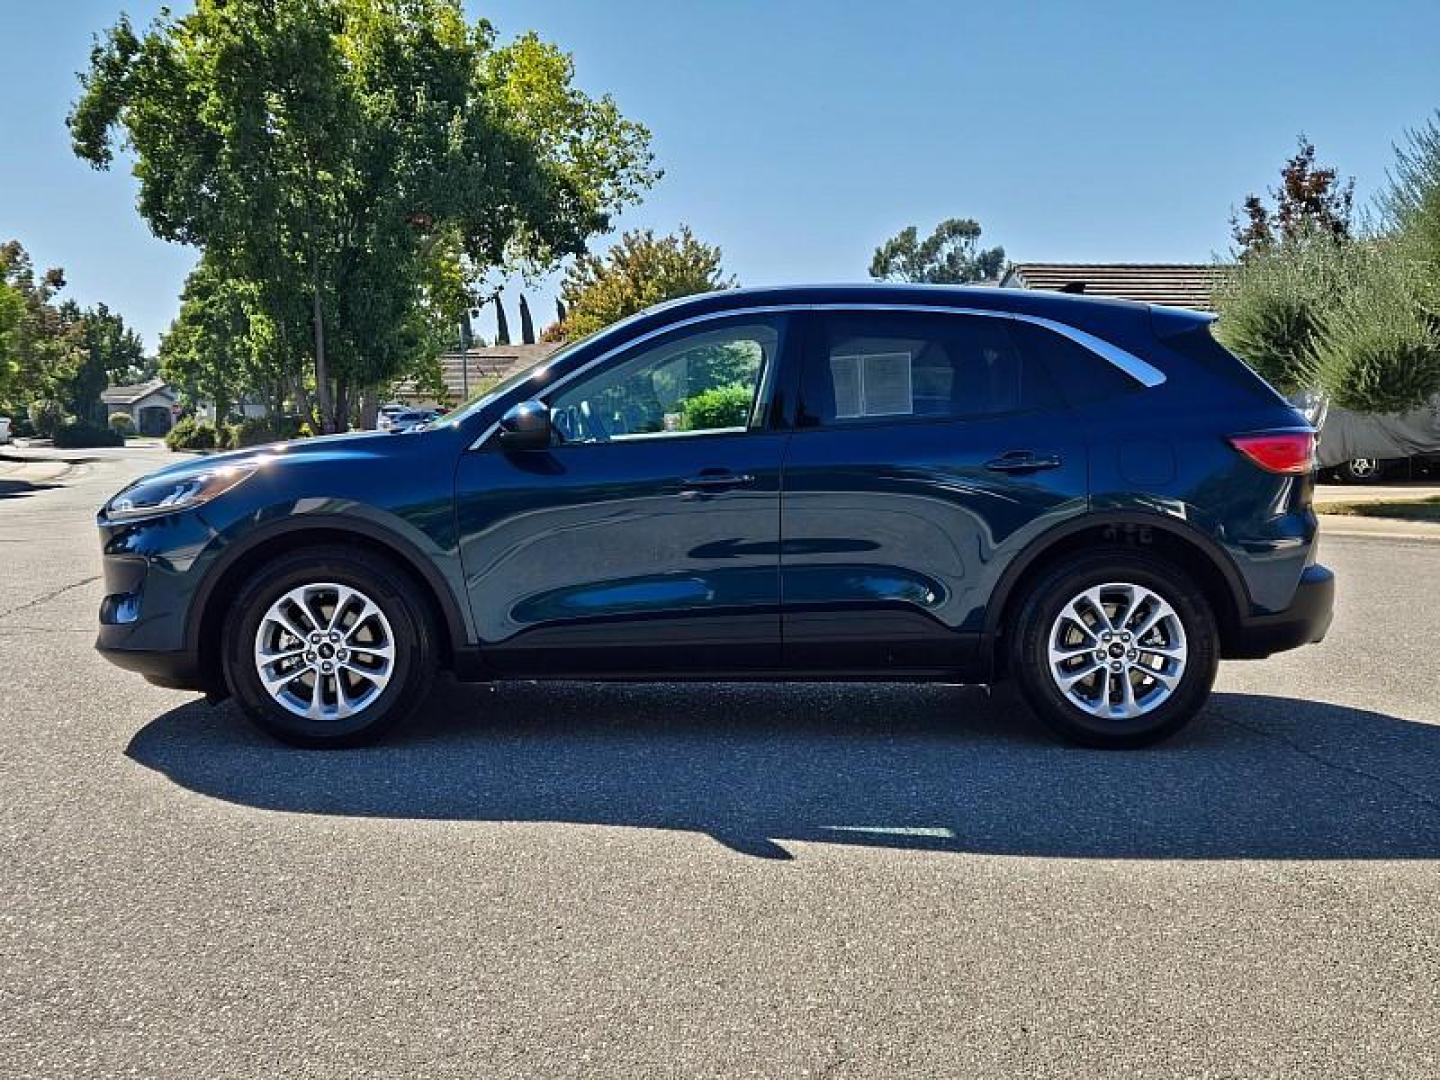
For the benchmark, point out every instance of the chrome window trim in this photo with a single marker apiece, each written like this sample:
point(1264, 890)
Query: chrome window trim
point(1144, 373)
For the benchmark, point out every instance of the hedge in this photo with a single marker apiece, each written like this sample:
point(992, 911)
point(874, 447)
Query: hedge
point(80, 433)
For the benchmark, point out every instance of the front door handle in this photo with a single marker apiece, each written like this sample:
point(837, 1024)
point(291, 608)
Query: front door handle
point(716, 481)
point(1018, 461)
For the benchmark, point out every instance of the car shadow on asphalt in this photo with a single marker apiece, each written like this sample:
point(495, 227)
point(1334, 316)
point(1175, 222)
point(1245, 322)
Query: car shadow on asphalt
point(18, 489)
point(918, 767)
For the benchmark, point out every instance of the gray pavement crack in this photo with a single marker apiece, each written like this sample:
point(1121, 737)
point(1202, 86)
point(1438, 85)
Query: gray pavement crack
point(1335, 766)
point(47, 597)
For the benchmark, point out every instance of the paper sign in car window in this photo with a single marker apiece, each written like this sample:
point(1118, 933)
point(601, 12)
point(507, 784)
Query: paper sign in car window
point(845, 373)
point(872, 384)
point(886, 384)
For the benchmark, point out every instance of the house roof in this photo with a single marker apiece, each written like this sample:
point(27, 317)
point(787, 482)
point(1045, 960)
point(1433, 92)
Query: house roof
point(470, 370)
point(129, 395)
point(1187, 285)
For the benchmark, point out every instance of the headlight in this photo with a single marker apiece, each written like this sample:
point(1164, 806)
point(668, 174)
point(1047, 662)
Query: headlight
point(165, 495)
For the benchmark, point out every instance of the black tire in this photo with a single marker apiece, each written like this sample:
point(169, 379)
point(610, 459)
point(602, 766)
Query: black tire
point(392, 591)
point(1029, 659)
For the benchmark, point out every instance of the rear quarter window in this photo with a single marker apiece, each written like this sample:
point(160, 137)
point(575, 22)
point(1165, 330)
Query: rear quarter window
point(1198, 345)
point(1081, 375)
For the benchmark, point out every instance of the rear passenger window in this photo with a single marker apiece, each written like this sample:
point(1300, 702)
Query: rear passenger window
point(1081, 375)
point(898, 366)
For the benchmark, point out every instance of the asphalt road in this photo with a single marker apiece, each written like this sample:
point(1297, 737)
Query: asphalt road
point(689, 881)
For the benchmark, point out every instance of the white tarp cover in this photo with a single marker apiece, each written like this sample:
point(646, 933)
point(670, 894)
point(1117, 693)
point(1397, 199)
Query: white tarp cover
point(1345, 435)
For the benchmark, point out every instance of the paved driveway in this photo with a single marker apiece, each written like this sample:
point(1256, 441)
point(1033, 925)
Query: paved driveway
point(680, 880)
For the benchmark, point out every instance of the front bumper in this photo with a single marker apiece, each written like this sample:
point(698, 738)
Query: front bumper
point(1304, 622)
point(179, 670)
point(150, 576)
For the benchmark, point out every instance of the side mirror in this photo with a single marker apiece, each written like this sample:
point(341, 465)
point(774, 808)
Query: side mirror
point(526, 426)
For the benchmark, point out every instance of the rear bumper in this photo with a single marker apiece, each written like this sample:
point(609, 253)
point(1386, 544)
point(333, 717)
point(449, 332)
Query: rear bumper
point(1304, 622)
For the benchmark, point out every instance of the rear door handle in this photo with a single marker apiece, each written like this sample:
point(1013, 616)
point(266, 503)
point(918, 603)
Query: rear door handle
point(1023, 461)
point(716, 481)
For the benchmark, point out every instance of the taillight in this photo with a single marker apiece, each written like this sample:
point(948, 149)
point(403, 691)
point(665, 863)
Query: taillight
point(1278, 451)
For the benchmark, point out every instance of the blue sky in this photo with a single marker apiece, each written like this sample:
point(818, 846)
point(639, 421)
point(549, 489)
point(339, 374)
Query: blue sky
point(798, 135)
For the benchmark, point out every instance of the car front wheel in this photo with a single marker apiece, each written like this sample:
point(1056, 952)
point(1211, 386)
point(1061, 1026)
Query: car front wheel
point(1115, 649)
point(327, 647)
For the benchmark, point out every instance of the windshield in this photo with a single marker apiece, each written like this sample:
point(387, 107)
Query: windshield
point(484, 397)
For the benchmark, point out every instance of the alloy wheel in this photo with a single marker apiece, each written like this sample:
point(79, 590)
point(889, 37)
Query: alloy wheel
point(1117, 650)
point(324, 651)
point(1364, 468)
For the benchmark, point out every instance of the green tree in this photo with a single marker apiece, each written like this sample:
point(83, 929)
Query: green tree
point(328, 151)
point(1273, 304)
point(1313, 305)
point(1310, 201)
point(12, 310)
point(502, 324)
point(40, 338)
point(224, 345)
point(111, 353)
point(527, 324)
point(951, 255)
point(1411, 202)
point(638, 271)
point(1377, 349)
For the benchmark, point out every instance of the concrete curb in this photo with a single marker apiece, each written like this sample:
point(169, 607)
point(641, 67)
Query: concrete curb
point(1352, 527)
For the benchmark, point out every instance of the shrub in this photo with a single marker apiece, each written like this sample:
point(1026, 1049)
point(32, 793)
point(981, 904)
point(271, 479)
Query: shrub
point(46, 416)
point(122, 423)
point(1376, 350)
point(1272, 305)
point(79, 433)
point(256, 431)
point(720, 407)
point(191, 434)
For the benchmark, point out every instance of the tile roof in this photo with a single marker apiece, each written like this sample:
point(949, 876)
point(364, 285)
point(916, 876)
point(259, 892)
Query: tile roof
point(473, 369)
point(128, 395)
point(1187, 285)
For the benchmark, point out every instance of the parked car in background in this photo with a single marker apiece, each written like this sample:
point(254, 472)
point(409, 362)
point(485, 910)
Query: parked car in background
point(1378, 470)
point(1369, 448)
point(1089, 498)
point(405, 419)
point(4, 430)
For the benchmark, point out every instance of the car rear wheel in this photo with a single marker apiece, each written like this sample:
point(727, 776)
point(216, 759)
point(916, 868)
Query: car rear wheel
point(328, 647)
point(1115, 649)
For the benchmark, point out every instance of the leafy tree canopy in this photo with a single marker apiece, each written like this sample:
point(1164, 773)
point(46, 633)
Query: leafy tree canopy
point(223, 345)
point(12, 311)
point(1311, 200)
point(638, 271)
point(41, 345)
point(110, 353)
point(1376, 350)
point(327, 152)
point(951, 255)
point(1412, 205)
point(1312, 305)
point(1272, 306)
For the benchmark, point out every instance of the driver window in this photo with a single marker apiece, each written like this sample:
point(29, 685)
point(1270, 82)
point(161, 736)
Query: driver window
point(692, 384)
